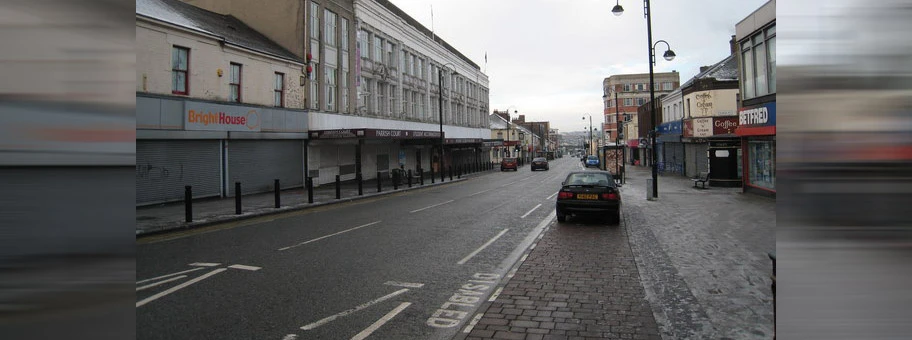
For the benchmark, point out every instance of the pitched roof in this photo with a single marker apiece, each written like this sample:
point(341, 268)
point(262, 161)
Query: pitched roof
point(724, 70)
point(226, 27)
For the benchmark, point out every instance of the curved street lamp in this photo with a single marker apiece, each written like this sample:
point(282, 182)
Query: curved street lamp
point(589, 146)
point(668, 55)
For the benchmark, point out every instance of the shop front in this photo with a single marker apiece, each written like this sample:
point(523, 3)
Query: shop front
point(210, 146)
point(757, 130)
point(724, 153)
point(670, 148)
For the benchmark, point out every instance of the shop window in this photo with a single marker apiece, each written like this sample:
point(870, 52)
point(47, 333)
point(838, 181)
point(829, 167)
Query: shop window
point(762, 156)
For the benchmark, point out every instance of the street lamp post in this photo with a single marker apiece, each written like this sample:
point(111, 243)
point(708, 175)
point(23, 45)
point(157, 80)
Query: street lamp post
point(589, 147)
point(617, 139)
point(668, 55)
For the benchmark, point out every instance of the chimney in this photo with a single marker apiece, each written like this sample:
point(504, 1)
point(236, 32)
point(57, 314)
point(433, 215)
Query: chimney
point(734, 45)
point(521, 119)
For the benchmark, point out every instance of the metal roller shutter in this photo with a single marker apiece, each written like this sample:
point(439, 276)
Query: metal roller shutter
point(256, 163)
point(164, 167)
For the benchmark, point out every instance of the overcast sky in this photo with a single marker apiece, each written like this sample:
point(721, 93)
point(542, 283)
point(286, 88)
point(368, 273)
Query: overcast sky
point(547, 58)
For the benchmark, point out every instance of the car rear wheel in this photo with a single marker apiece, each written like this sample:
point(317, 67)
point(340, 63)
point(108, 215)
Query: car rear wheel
point(561, 217)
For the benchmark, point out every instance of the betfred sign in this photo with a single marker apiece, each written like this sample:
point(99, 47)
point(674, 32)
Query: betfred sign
point(215, 117)
point(757, 120)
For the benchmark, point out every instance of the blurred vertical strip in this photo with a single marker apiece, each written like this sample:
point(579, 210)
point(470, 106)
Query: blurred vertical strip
point(844, 232)
point(67, 159)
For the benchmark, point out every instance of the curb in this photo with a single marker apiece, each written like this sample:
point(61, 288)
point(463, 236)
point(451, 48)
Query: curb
point(220, 219)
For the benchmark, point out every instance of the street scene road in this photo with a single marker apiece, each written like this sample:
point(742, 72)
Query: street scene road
point(415, 264)
point(479, 258)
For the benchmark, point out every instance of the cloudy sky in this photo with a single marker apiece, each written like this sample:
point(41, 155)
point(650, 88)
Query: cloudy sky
point(547, 58)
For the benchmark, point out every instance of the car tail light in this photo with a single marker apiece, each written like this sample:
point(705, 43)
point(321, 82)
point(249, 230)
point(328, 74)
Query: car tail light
point(564, 195)
point(610, 196)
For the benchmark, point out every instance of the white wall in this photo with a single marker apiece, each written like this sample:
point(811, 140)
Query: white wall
point(153, 67)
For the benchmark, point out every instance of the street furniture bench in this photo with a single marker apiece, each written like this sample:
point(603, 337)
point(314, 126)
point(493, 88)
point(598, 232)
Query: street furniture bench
point(702, 179)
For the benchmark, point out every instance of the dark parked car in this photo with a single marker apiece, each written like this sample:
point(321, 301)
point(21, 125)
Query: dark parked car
point(508, 163)
point(539, 163)
point(589, 192)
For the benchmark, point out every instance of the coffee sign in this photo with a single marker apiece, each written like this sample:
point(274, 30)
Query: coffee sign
point(724, 125)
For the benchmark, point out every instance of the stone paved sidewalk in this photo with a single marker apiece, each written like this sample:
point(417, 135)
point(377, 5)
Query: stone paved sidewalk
point(691, 265)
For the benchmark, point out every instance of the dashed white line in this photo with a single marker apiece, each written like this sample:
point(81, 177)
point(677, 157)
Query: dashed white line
point(330, 235)
point(205, 264)
point(169, 275)
point(404, 284)
point(467, 258)
point(523, 259)
point(495, 295)
point(386, 318)
point(179, 287)
point(290, 337)
point(512, 272)
point(435, 205)
point(552, 195)
point(508, 184)
point(530, 211)
point(160, 282)
point(472, 323)
point(243, 267)
point(480, 192)
point(347, 312)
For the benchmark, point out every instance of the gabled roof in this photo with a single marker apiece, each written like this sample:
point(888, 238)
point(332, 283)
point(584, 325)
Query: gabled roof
point(724, 70)
point(498, 122)
point(226, 27)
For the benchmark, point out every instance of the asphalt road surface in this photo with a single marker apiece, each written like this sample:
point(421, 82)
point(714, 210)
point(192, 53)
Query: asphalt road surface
point(411, 265)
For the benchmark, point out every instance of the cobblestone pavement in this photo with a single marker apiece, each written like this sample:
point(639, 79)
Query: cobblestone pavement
point(691, 265)
point(702, 256)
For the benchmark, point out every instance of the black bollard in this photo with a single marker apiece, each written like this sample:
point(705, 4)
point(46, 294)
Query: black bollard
point(432, 175)
point(310, 189)
point(442, 173)
point(338, 187)
point(395, 180)
point(188, 203)
point(278, 198)
point(451, 172)
point(421, 175)
point(360, 184)
point(237, 198)
point(410, 178)
point(379, 182)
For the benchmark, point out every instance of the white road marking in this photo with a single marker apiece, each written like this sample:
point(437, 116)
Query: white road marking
point(512, 272)
point(160, 282)
point(404, 284)
point(480, 192)
point(495, 295)
point(435, 205)
point(290, 337)
point(179, 287)
point(172, 274)
point(508, 184)
point(204, 264)
point(241, 266)
point(533, 246)
point(523, 259)
point(526, 178)
point(530, 211)
point(552, 195)
point(386, 318)
point(467, 258)
point(347, 312)
point(330, 235)
point(472, 323)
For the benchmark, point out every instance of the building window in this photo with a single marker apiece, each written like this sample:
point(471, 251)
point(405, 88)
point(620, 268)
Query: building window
point(414, 103)
point(762, 155)
point(329, 20)
point(330, 89)
point(667, 86)
point(343, 104)
point(234, 83)
point(405, 102)
point(688, 108)
point(314, 21)
point(641, 101)
point(279, 91)
point(378, 49)
point(314, 88)
point(758, 59)
point(180, 70)
point(391, 54)
point(626, 87)
point(363, 38)
point(381, 98)
point(420, 69)
point(392, 100)
point(344, 36)
point(628, 101)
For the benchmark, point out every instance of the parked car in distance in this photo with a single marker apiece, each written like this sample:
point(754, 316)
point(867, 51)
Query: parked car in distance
point(592, 160)
point(539, 163)
point(508, 163)
point(589, 193)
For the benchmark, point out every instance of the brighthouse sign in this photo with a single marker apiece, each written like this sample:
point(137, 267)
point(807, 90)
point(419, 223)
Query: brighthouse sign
point(214, 117)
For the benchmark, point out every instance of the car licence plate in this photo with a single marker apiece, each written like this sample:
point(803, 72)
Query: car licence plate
point(587, 196)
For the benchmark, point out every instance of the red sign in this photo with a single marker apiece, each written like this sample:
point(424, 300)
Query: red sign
point(724, 125)
point(688, 128)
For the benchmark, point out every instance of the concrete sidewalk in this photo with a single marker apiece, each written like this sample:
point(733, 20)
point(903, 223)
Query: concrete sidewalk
point(690, 265)
point(171, 216)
